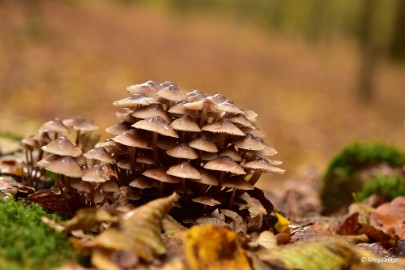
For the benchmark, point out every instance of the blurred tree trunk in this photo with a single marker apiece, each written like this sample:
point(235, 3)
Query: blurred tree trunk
point(368, 52)
point(397, 48)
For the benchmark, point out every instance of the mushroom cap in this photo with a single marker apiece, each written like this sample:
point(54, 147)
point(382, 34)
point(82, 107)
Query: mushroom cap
point(229, 107)
point(249, 142)
point(217, 98)
point(237, 183)
point(119, 128)
point(262, 165)
point(267, 151)
point(223, 126)
point(149, 88)
point(206, 200)
point(184, 170)
point(141, 183)
point(80, 185)
point(133, 138)
point(224, 164)
point(207, 178)
point(110, 186)
point(145, 159)
point(241, 121)
point(55, 125)
point(99, 153)
point(126, 116)
point(156, 124)
point(150, 111)
point(232, 153)
point(182, 151)
point(135, 101)
point(62, 146)
point(166, 143)
point(95, 175)
point(251, 115)
point(201, 104)
point(179, 109)
point(202, 143)
point(78, 123)
point(206, 156)
point(172, 93)
point(65, 165)
point(46, 160)
point(129, 194)
point(195, 95)
point(113, 147)
point(185, 123)
point(161, 175)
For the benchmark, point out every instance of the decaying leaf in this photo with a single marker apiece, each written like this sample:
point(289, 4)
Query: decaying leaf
point(172, 228)
point(364, 212)
point(267, 239)
point(350, 225)
point(255, 219)
point(237, 221)
point(87, 218)
point(212, 248)
point(391, 216)
point(328, 253)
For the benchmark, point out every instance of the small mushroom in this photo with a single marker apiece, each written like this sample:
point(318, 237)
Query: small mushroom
point(80, 125)
point(202, 143)
point(161, 175)
point(195, 95)
point(140, 183)
point(135, 101)
point(56, 125)
point(185, 124)
point(224, 165)
point(172, 93)
point(229, 108)
point(178, 109)
point(259, 166)
point(206, 201)
point(62, 146)
point(99, 153)
point(232, 153)
point(236, 183)
point(205, 106)
point(157, 126)
point(184, 171)
point(151, 111)
point(149, 88)
point(182, 151)
point(119, 128)
point(223, 126)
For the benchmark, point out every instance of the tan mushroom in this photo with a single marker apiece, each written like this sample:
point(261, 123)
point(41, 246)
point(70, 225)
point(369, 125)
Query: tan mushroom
point(205, 106)
point(151, 111)
point(135, 101)
point(224, 165)
point(56, 125)
point(160, 174)
point(236, 183)
point(100, 154)
point(62, 146)
point(156, 125)
point(80, 125)
point(184, 170)
point(223, 126)
point(149, 88)
point(182, 151)
point(119, 128)
point(185, 124)
point(259, 166)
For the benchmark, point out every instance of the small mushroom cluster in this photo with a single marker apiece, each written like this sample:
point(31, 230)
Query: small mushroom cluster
point(203, 147)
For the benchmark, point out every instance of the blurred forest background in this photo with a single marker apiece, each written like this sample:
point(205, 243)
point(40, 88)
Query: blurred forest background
point(320, 73)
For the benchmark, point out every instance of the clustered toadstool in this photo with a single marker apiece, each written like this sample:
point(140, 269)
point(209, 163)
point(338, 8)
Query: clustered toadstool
point(203, 147)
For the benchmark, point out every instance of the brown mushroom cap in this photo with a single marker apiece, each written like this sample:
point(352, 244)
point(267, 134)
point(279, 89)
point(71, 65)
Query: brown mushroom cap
point(156, 124)
point(217, 98)
point(110, 186)
point(232, 153)
point(185, 123)
point(195, 95)
point(262, 165)
point(149, 88)
point(179, 109)
point(135, 101)
point(126, 116)
point(182, 151)
point(140, 183)
point(172, 93)
point(99, 153)
point(78, 123)
point(237, 183)
point(241, 121)
point(65, 165)
point(206, 200)
point(223, 126)
point(150, 111)
point(94, 175)
point(249, 142)
point(224, 164)
point(161, 175)
point(62, 146)
point(119, 128)
point(55, 125)
point(229, 107)
point(80, 185)
point(46, 160)
point(251, 115)
point(207, 178)
point(202, 143)
point(113, 147)
point(132, 138)
point(184, 170)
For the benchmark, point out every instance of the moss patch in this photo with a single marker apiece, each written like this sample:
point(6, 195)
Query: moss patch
point(25, 241)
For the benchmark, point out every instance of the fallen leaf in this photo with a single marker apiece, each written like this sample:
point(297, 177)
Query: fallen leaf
point(391, 216)
point(87, 218)
point(214, 248)
point(350, 225)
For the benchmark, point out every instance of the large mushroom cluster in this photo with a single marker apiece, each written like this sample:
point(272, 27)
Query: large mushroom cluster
point(205, 148)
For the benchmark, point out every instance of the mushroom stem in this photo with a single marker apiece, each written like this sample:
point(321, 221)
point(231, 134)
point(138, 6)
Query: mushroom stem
point(232, 198)
point(203, 115)
point(255, 177)
point(132, 159)
point(183, 184)
point(77, 137)
point(155, 148)
point(221, 178)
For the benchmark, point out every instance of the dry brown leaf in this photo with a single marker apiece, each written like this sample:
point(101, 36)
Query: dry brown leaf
point(214, 248)
point(87, 218)
point(255, 219)
point(350, 225)
point(391, 216)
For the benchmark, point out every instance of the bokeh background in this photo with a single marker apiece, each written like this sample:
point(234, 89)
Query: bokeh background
point(320, 74)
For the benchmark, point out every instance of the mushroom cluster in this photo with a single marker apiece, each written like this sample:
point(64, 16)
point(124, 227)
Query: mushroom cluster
point(167, 140)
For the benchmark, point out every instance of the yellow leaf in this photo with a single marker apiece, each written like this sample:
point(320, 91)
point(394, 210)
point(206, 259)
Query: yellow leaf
point(282, 223)
point(214, 248)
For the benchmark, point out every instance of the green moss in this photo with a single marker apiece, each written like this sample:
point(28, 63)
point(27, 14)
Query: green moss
point(389, 187)
point(339, 180)
point(25, 241)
